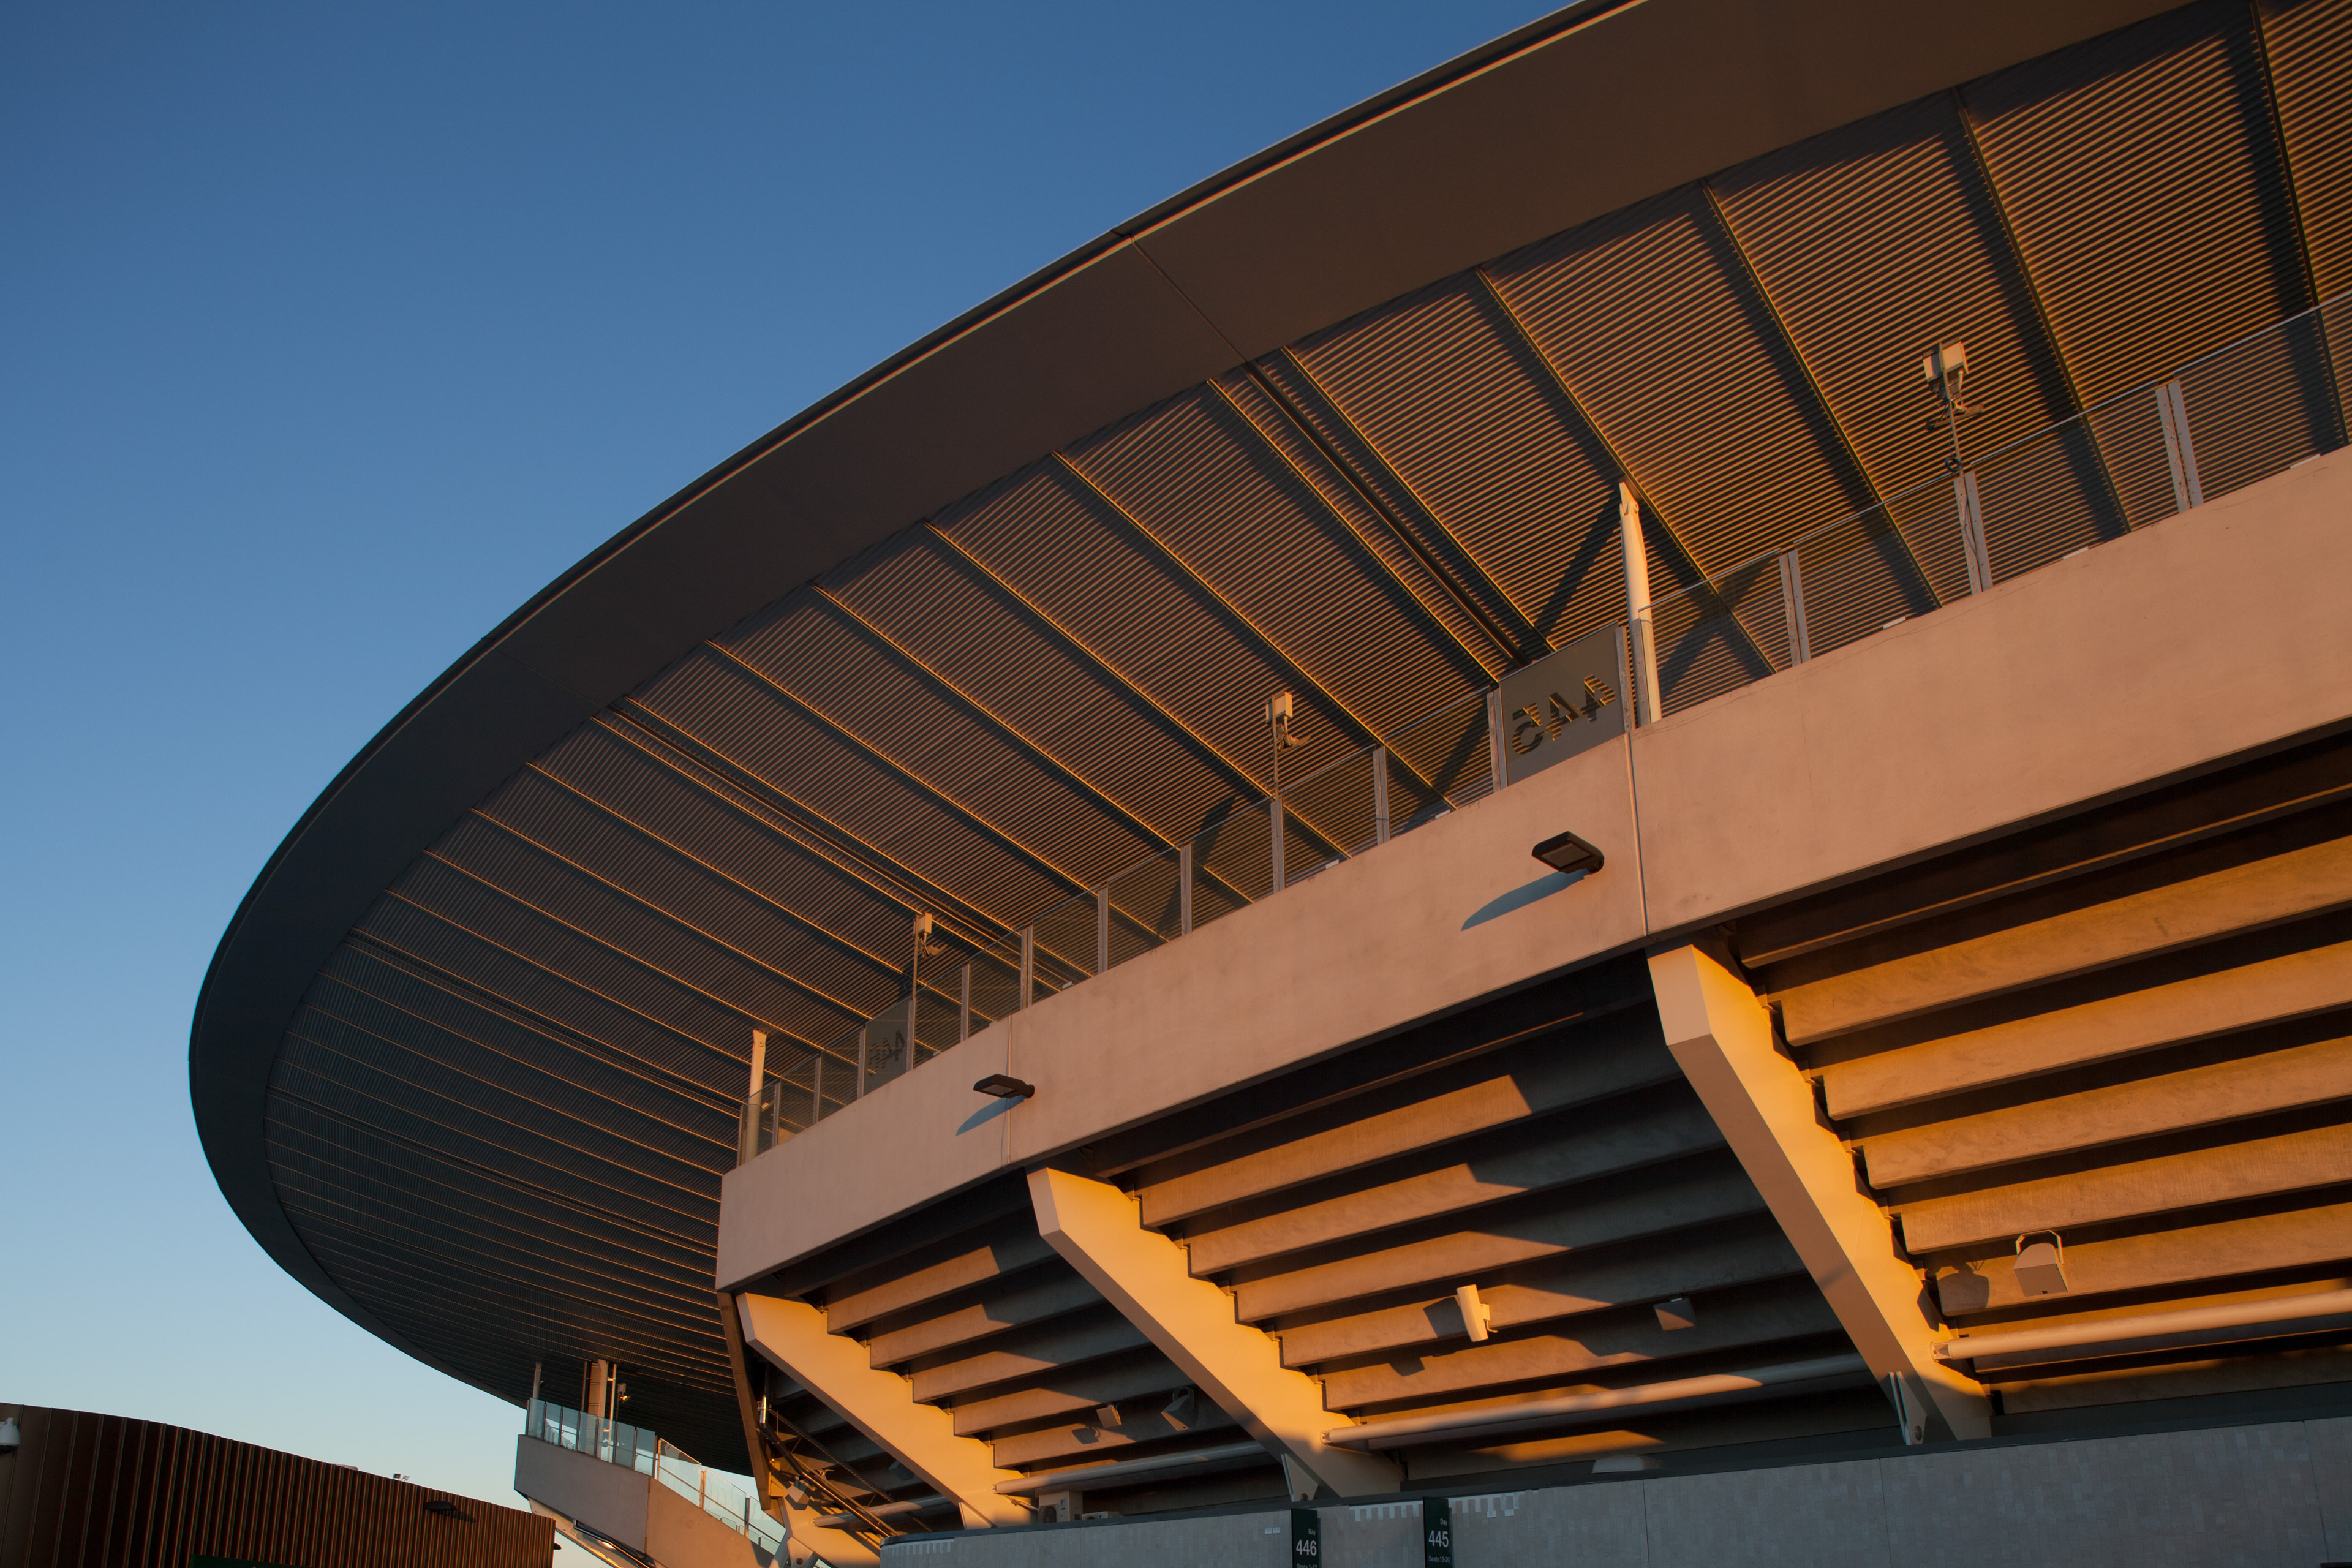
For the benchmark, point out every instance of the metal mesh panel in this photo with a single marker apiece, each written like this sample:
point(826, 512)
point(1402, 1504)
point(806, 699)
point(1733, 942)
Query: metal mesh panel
point(1233, 860)
point(1858, 577)
point(1329, 814)
point(1444, 760)
point(1145, 907)
point(2031, 504)
point(1718, 636)
point(1066, 942)
point(2259, 406)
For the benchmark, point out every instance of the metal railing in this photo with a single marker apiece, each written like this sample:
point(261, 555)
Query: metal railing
point(1433, 765)
point(2242, 412)
point(637, 1448)
point(2251, 409)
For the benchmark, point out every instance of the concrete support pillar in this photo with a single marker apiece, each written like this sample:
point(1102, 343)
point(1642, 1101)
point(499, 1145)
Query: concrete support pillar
point(1142, 1273)
point(879, 1403)
point(1721, 1036)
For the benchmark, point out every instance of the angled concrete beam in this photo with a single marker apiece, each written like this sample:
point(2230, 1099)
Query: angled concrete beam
point(881, 1404)
point(1142, 1273)
point(1721, 1035)
point(806, 1537)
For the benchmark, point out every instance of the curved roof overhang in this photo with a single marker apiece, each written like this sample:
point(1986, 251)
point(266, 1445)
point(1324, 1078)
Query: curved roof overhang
point(1431, 178)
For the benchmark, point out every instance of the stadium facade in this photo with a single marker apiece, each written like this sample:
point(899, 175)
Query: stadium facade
point(1627, 776)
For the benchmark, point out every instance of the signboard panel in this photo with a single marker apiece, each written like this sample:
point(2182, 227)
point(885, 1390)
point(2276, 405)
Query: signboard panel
point(1565, 703)
point(1306, 1538)
point(1436, 1532)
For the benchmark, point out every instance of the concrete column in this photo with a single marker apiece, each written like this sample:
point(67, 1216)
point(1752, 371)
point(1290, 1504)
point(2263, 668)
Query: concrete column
point(879, 1403)
point(1144, 1273)
point(1721, 1036)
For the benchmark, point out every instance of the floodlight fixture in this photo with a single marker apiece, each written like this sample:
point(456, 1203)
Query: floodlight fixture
point(1677, 1313)
point(1003, 1086)
point(1568, 853)
point(1475, 1314)
point(1184, 1407)
point(2042, 1267)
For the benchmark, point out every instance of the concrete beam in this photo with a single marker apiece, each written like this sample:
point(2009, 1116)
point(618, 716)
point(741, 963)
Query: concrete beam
point(806, 1537)
point(879, 1403)
point(1719, 1032)
point(1099, 1228)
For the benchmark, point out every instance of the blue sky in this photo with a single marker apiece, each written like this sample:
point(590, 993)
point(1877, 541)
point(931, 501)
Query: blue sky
point(328, 334)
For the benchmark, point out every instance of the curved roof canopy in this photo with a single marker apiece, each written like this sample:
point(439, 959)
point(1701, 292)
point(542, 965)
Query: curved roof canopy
point(999, 619)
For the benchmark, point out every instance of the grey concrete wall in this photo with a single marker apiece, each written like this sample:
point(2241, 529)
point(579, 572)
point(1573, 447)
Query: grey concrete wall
point(2189, 642)
point(2273, 1496)
point(607, 1497)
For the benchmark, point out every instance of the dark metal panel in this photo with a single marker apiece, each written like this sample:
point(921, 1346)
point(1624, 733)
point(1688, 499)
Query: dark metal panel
point(2140, 178)
point(946, 612)
point(1876, 243)
point(1604, 112)
point(2309, 48)
point(506, 1061)
point(415, 941)
point(808, 648)
point(723, 833)
point(1195, 474)
point(1646, 318)
point(727, 708)
point(1444, 419)
point(609, 916)
point(691, 893)
point(1071, 555)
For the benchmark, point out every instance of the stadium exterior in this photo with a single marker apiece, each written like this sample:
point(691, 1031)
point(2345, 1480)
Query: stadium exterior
point(1624, 785)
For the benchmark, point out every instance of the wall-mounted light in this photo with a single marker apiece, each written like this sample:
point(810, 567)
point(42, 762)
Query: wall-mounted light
point(1475, 1314)
point(1184, 1407)
point(1005, 1086)
point(11, 1439)
point(1568, 853)
point(1677, 1313)
point(2041, 1267)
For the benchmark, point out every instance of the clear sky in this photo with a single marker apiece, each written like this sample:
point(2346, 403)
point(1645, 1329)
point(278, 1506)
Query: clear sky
point(331, 332)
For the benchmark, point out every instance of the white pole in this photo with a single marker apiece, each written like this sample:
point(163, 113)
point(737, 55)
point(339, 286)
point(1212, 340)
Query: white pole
point(1637, 603)
point(759, 1061)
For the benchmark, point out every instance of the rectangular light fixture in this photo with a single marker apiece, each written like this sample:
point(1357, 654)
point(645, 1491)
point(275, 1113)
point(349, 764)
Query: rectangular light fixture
point(1568, 853)
point(1005, 1086)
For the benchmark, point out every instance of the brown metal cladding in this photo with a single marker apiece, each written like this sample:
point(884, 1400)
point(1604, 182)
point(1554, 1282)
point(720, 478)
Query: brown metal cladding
point(1200, 476)
point(104, 1491)
point(2139, 174)
point(1069, 554)
point(2311, 82)
point(1444, 418)
point(948, 613)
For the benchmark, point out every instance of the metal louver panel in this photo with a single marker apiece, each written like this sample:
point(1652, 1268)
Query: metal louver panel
point(1447, 420)
point(829, 665)
point(1877, 244)
point(1647, 320)
point(2139, 168)
point(949, 613)
point(1074, 558)
point(1199, 479)
point(2311, 80)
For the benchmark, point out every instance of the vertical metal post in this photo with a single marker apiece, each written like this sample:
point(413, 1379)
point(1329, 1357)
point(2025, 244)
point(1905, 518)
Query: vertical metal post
point(2172, 413)
point(775, 1118)
point(1494, 739)
point(1972, 534)
point(1102, 929)
point(1184, 890)
point(1647, 707)
point(963, 1029)
point(859, 1094)
point(1792, 606)
point(1028, 964)
point(1273, 824)
point(1380, 794)
point(817, 1089)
